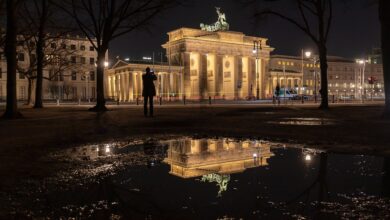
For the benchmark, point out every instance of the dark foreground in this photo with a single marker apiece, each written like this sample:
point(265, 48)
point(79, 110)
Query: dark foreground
point(73, 163)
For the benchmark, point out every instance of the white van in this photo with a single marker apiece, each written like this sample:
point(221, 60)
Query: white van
point(286, 93)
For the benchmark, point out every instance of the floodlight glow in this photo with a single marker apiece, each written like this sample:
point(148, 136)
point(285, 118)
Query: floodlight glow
point(308, 54)
point(308, 157)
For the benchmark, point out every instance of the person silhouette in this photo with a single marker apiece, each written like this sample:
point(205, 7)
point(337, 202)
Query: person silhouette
point(148, 91)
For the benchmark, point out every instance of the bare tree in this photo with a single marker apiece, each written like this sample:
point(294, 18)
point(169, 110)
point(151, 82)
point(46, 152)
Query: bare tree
point(384, 17)
point(28, 70)
point(103, 21)
point(315, 18)
point(57, 58)
point(2, 22)
point(40, 17)
point(11, 110)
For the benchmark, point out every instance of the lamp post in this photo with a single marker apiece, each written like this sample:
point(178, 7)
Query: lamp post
point(362, 82)
point(87, 77)
point(302, 84)
point(308, 55)
point(58, 87)
point(256, 50)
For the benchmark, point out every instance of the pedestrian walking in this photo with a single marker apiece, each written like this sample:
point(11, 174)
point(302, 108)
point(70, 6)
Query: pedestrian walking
point(148, 91)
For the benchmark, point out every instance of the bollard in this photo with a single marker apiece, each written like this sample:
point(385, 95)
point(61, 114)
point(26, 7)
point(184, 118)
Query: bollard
point(315, 98)
point(303, 99)
point(58, 102)
point(184, 100)
point(117, 102)
point(79, 101)
point(160, 100)
point(333, 99)
point(209, 100)
point(137, 100)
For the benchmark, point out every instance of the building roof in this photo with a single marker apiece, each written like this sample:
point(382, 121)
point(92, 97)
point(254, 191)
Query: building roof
point(330, 58)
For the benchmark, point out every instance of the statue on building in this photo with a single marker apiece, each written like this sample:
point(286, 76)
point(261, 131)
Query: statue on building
point(220, 25)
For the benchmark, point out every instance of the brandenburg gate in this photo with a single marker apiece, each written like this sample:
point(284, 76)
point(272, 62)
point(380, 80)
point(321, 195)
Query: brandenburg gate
point(207, 62)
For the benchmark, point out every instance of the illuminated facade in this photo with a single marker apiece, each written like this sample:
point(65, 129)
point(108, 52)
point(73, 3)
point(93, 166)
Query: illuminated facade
point(344, 76)
point(76, 79)
point(124, 80)
point(190, 158)
point(215, 160)
point(206, 64)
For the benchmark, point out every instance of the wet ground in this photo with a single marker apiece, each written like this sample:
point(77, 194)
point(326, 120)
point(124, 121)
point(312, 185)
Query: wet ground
point(197, 178)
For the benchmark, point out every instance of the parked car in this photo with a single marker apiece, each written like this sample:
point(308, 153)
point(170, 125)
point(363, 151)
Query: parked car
point(286, 93)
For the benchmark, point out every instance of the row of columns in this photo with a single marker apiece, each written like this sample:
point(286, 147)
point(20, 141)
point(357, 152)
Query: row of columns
point(127, 86)
point(230, 77)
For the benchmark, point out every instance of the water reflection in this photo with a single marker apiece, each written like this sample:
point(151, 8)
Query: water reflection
point(258, 180)
point(215, 159)
point(304, 121)
point(386, 177)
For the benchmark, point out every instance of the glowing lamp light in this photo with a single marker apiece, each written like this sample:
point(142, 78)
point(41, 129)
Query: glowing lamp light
point(308, 54)
point(108, 149)
point(254, 155)
point(254, 51)
point(106, 64)
point(308, 157)
point(127, 59)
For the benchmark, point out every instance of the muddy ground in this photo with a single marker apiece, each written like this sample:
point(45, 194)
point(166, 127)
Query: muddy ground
point(26, 143)
point(343, 129)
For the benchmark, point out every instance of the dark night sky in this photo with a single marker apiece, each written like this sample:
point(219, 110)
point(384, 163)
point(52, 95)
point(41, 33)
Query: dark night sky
point(354, 32)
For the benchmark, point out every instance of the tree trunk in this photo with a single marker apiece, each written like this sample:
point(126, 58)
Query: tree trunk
point(29, 91)
point(384, 17)
point(40, 56)
point(100, 100)
point(11, 110)
point(324, 76)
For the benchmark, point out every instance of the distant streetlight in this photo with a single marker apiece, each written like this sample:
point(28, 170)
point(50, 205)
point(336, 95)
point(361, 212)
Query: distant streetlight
point(127, 59)
point(362, 62)
point(256, 49)
point(308, 55)
point(106, 64)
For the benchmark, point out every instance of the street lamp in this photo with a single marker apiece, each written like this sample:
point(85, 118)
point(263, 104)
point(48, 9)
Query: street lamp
point(362, 82)
point(256, 50)
point(87, 76)
point(308, 55)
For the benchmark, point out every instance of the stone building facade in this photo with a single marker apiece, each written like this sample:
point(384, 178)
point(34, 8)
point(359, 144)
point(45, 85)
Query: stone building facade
point(345, 76)
point(219, 64)
point(124, 81)
point(75, 81)
point(201, 64)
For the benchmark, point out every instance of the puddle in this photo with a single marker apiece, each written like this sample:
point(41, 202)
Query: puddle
point(304, 121)
point(210, 179)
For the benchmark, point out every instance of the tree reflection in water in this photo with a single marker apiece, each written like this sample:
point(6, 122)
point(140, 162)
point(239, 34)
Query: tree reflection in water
point(319, 181)
point(386, 177)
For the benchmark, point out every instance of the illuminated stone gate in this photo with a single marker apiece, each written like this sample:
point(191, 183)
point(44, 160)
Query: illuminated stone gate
point(208, 62)
point(220, 64)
